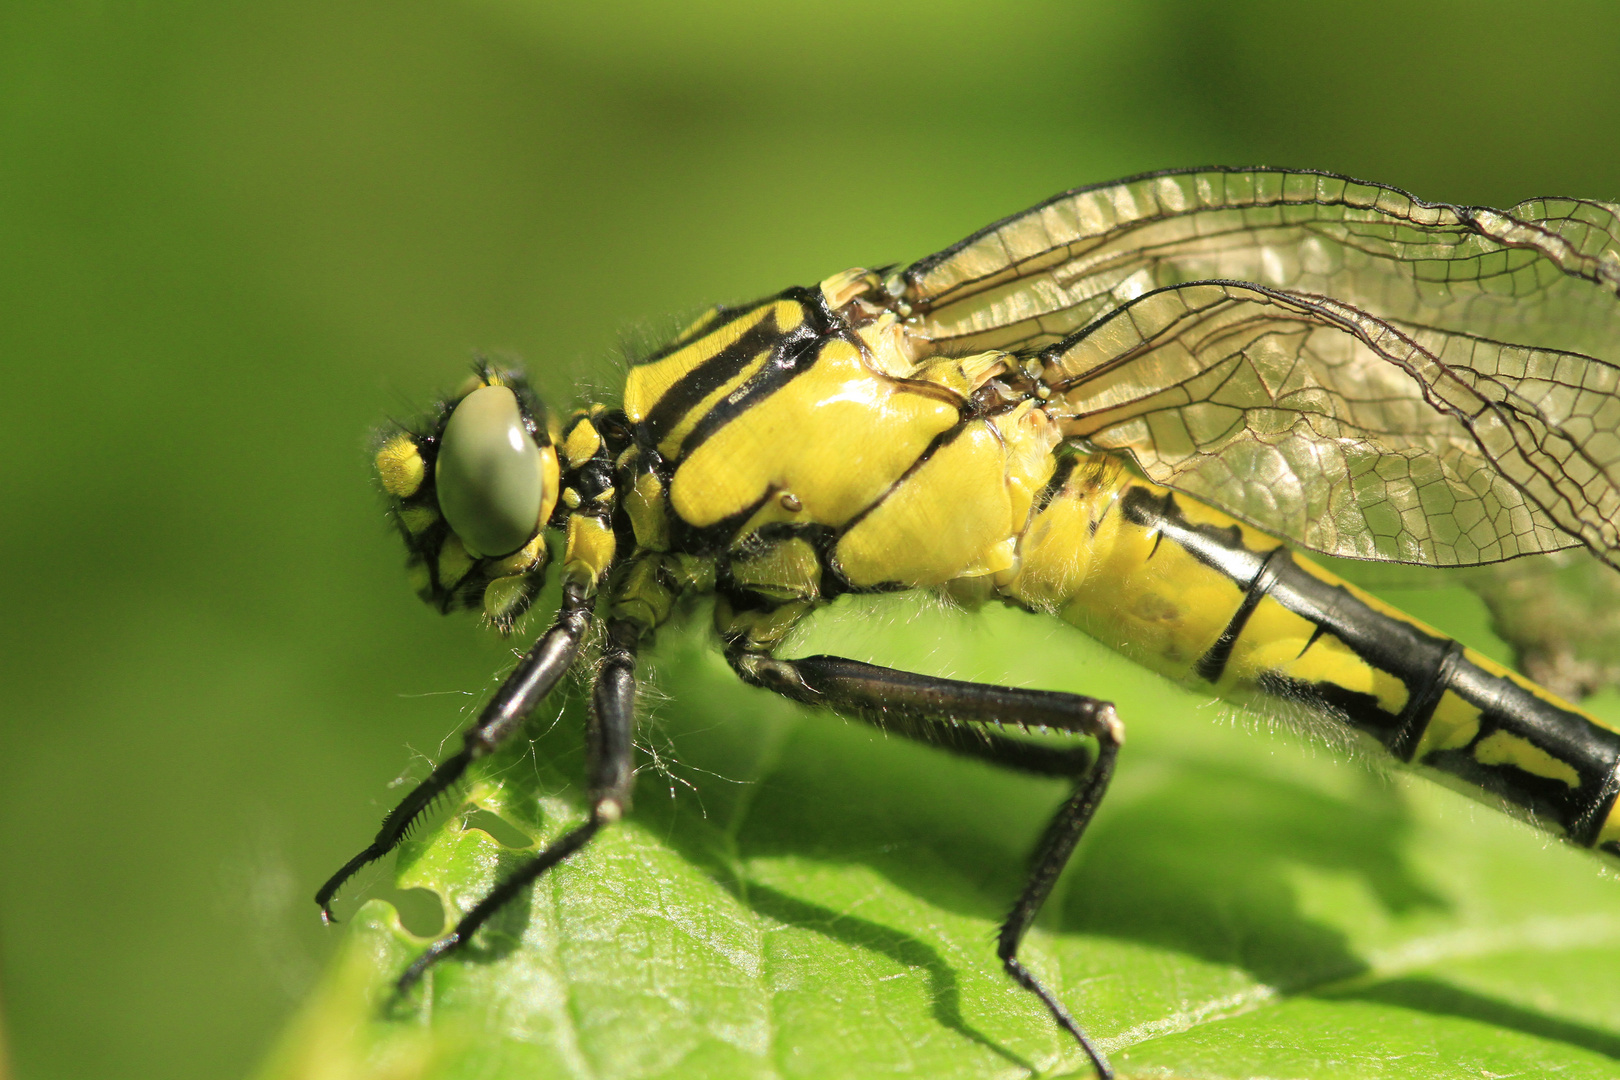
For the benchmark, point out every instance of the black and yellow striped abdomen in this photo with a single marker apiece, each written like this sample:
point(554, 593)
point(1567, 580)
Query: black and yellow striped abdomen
point(1199, 597)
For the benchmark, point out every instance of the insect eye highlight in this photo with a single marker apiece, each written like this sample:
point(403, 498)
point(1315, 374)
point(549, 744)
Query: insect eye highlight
point(489, 475)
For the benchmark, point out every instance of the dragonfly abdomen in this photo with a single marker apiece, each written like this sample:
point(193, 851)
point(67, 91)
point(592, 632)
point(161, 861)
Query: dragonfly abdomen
point(1206, 600)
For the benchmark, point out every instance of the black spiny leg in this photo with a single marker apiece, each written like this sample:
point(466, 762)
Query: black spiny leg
point(535, 676)
point(922, 707)
point(608, 752)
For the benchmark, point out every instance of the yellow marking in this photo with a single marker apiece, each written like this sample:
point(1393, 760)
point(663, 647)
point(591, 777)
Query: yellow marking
point(1316, 570)
point(1030, 437)
point(1276, 640)
point(1454, 725)
point(454, 562)
point(865, 430)
point(786, 570)
point(504, 598)
point(400, 467)
point(571, 498)
point(524, 559)
point(1056, 552)
point(1504, 748)
point(672, 443)
point(755, 630)
point(961, 512)
point(1152, 601)
point(648, 383)
point(418, 519)
point(996, 560)
point(588, 551)
point(1479, 660)
point(649, 513)
point(1189, 606)
point(582, 443)
point(944, 520)
point(1164, 609)
point(1272, 641)
point(550, 482)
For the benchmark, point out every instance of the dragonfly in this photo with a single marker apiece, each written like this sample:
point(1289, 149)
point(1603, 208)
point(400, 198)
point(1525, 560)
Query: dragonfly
point(1138, 407)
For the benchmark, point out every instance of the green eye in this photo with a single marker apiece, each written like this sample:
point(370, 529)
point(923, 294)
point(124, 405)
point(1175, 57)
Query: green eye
point(489, 475)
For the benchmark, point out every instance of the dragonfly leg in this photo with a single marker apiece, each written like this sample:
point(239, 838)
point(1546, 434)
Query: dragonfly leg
point(547, 660)
point(932, 709)
point(608, 751)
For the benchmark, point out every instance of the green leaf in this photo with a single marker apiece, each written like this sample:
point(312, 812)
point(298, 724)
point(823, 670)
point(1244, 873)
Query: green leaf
point(796, 894)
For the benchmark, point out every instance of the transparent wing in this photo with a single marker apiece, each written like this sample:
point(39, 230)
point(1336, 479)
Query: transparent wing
point(1544, 272)
point(1353, 435)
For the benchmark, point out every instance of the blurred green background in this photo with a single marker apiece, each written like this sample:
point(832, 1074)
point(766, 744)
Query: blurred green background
point(235, 236)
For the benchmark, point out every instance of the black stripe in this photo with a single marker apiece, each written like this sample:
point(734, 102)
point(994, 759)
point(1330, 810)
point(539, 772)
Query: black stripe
point(1316, 635)
point(1505, 706)
point(1393, 646)
point(1213, 663)
point(690, 389)
point(1350, 706)
point(1590, 824)
point(1060, 477)
point(1421, 705)
point(793, 354)
point(716, 538)
point(943, 439)
point(724, 315)
point(1221, 549)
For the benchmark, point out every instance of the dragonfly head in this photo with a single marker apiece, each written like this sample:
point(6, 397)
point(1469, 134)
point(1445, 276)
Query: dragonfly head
point(471, 487)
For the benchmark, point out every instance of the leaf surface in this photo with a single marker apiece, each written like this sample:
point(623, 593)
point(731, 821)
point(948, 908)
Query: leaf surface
point(798, 895)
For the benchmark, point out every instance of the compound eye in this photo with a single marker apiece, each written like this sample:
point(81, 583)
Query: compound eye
point(489, 474)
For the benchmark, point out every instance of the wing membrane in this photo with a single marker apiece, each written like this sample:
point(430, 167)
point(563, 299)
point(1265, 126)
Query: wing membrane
point(1545, 271)
point(1365, 373)
point(1351, 434)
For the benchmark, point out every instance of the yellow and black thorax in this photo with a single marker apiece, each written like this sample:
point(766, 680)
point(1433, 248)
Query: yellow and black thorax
point(808, 448)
